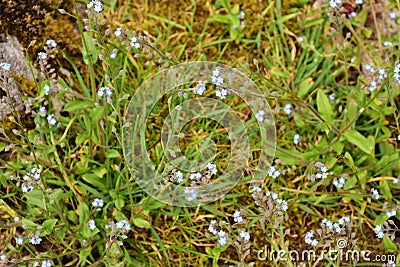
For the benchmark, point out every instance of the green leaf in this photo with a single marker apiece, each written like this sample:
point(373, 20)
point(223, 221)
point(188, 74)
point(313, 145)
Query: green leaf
point(29, 223)
point(95, 181)
point(78, 105)
point(350, 183)
point(95, 114)
point(306, 208)
point(304, 87)
point(35, 198)
point(389, 244)
point(112, 153)
point(324, 107)
point(48, 226)
point(89, 52)
point(83, 212)
point(221, 19)
point(141, 223)
point(359, 140)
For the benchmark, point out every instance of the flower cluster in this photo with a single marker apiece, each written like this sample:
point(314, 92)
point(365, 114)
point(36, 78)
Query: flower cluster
point(92, 224)
point(216, 78)
point(322, 172)
point(273, 172)
point(237, 218)
point(45, 263)
point(379, 231)
point(222, 235)
point(30, 180)
point(396, 76)
point(34, 238)
point(335, 3)
point(98, 203)
point(287, 109)
point(200, 88)
point(6, 67)
point(391, 213)
point(96, 5)
point(51, 119)
point(271, 208)
point(309, 239)
point(330, 232)
point(375, 193)
point(260, 115)
point(104, 91)
point(337, 227)
point(339, 183)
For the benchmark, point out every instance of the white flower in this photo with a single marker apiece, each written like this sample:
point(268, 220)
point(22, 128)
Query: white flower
point(398, 137)
point(96, 5)
point(255, 189)
point(179, 177)
point(211, 227)
point(47, 263)
point(124, 226)
point(35, 264)
point(51, 43)
point(42, 55)
point(387, 43)
point(359, 2)
point(369, 68)
point(46, 89)
point(118, 32)
point(200, 88)
point(195, 176)
point(339, 183)
point(352, 14)
point(237, 218)
point(314, 243)
point(392, 15)
point(104, 91)
point(245, 235)
point(216, 78)
point(241, 15)
point(222, 93)
point(379, 231)
point(42, 111)
point(287, 109)
point(3, 257)
point(222, 238)
point(92, 224)
point(332, 98)
point(35, 240)
point(51, 119)
point(212, 167)
point(135, 43)
point(296, 139)
point(5, 66)
point(16, 219)
point(375, 193)
point(191, 194)
point(113, 55)
point(335, 3)
point(19, 240)
point(391, 213)
point(98, 203)
point(273, 172)
point(372, 86)
point(26, 188)
point(260, 115)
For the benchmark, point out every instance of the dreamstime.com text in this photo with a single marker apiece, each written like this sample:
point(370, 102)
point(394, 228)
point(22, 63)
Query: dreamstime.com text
point(332, 254)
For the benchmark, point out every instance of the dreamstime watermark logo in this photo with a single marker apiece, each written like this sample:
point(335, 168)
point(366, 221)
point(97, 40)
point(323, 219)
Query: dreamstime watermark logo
point(172, 81)
point(331, 254)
